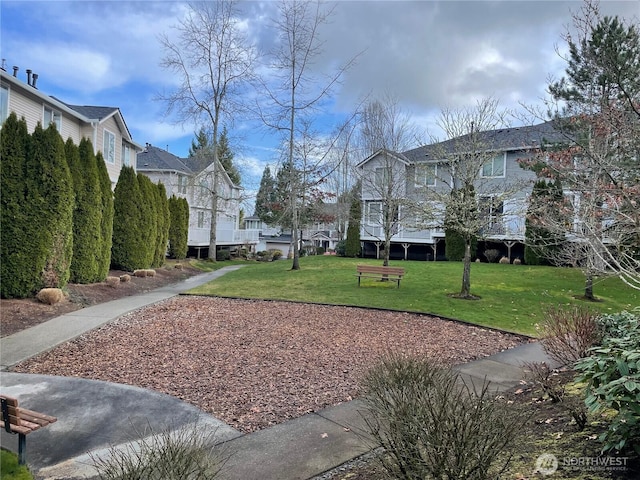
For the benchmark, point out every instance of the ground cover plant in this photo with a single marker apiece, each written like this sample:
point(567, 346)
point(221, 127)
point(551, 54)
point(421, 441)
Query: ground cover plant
point(512, 297)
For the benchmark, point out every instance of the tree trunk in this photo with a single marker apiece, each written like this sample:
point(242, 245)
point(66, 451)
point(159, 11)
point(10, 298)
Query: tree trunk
point(214, 225)
point(465, 291)
point(588, 287)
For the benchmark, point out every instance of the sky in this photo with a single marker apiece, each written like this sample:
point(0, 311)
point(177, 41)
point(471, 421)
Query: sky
point(429, 55)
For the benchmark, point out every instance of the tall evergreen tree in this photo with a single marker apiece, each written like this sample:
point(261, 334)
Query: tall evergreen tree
point(352, 247)
point(87, 213)
point(148, 225)
point(128, 251)
point(20, 265)
point(49, 182)
point(163, 225)
point(106, 222)
point(266, 198)
point(178, 227)
point(540, 242)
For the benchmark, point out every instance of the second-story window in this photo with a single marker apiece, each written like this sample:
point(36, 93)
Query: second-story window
point(51, 116)
point(374, 213)
point(182, 184)
point(495, 167)
point(126, 155)
point(425, 175)
point(200, 219)
point(382, 176)
point(109, 147)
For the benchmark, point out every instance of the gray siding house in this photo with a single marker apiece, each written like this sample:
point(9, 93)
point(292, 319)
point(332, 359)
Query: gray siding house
point(405, 176)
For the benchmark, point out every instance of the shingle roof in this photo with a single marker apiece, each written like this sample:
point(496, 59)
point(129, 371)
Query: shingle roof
point(93, 112)
point(515, 138)
point(154, 158)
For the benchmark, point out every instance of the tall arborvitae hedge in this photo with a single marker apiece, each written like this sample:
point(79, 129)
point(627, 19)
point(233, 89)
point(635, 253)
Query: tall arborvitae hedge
point(87, 214)
point(163, 225)
point(106, 222)
point(352, 245)
point(20, 267)
point(148, 226)
point(128, 251)
point(454, 246)
point(49, 184)
point(178, 227)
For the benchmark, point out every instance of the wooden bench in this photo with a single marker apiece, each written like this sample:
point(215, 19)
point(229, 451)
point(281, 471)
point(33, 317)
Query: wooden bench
point(18, 420)
point(393, 274)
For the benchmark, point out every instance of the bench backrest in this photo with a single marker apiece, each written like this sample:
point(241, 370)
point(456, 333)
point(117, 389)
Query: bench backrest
point(10, 412)
point(380, 269)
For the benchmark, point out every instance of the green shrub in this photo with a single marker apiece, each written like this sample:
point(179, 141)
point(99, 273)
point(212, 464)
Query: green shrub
point(128, 251)
point(223, 255)
point(341, 247)
point(183, 454)
point(320, 250)
point(106, 224)
point(275, 253)
point(432, 425)
point(612, 374)
point(454, 246)
point(178, 227)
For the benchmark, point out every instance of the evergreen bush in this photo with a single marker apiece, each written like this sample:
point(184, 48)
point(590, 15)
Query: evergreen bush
point(178, 227)
point(128, 251)
point(454, 246)
point(106, 222)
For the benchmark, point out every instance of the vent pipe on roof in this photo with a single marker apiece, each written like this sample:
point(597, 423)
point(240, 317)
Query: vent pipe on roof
point(35, 79)
point(28, 76)
point(15, 71)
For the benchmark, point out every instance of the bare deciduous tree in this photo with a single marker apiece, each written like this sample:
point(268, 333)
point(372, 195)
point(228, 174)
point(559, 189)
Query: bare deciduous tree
point(214, 61)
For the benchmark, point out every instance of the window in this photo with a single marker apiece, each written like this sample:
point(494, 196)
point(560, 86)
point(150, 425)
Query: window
point(51, 116)
point(374, 213)
point(4, 103)
point(126, 155)
point(109, 147)
point(182, 188)
point(382, 176)
point(200, 219)
point(425, 175)
point(495, 167)
point(491, 209)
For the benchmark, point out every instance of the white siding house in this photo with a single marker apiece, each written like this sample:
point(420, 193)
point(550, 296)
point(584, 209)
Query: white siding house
point(184, 178)
point(104, 126)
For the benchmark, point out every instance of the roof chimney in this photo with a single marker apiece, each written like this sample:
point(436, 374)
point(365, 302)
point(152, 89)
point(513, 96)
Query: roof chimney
point(15, 71)
point(28, 76)
point(35, 79)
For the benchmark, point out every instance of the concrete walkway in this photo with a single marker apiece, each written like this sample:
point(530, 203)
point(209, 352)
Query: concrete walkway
point(94, 416)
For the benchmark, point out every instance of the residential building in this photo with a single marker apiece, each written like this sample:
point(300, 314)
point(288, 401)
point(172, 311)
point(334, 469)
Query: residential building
point(427, 167)
point(104, 126)
point(192, 179)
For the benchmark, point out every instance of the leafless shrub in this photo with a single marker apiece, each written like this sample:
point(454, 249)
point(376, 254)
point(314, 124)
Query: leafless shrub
point(113, 281)
point(50, 296)
point(567, 333)
point(432, 425)
point(504, 260)
point(492, 255)
point(187, 453)
point(125, 278)
point(540, 374)
point(517, 261)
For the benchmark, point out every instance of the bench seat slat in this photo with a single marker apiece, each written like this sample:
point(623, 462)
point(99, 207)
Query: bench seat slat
point(36, 417)
point(18, 428)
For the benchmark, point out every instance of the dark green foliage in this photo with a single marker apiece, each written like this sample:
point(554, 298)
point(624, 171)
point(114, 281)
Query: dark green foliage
point(454, 246)
point(19, 264)
point(341, 248)
point(541, 243)
point(148, 226)
point(223, 255)
point(50, 186)
point(612, 374)
point(225, 156)
point(128, 251)
point(106, 222)
point(163, 225)
point(352, 246)
point(87, 213)
point(178, 227)
point(266, 198)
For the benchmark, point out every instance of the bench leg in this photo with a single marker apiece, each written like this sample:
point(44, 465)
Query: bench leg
point(22, 449)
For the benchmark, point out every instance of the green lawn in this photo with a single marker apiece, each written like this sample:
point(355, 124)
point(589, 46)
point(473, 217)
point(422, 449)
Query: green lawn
point(513, 297)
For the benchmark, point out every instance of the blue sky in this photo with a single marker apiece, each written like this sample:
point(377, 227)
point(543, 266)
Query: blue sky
point(427, 54)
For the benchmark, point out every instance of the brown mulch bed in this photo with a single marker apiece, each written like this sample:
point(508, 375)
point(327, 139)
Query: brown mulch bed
point(255, 363)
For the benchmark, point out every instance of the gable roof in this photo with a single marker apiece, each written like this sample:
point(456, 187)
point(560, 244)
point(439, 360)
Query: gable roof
point(154, 158)
point(502, 139)
point(383, 151)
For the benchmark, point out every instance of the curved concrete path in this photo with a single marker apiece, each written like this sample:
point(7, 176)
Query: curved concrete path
point(93, 416)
